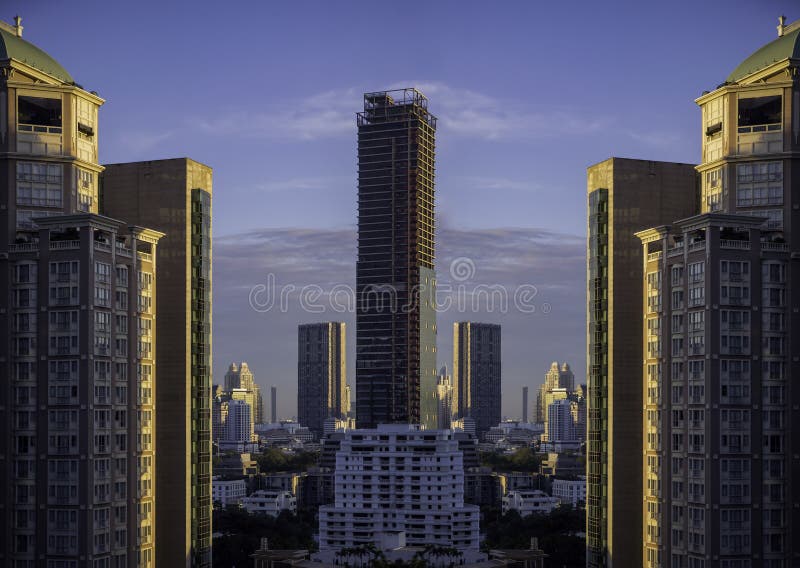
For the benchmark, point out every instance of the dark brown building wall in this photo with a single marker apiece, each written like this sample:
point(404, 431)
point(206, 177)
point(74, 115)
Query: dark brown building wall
point(158, 194)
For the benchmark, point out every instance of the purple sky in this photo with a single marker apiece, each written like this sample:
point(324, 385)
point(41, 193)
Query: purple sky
point(528, 94)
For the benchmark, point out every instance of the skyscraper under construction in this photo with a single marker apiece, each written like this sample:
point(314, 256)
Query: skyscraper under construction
point(395, 278)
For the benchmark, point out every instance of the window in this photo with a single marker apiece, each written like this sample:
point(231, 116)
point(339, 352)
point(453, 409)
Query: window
point(759, 114)
point(122, 275)
point(759, 183)
point(697, 271)
point(39, 111)
point(39, 184)
point(713, 189)
point(86, 193)
point(102, 272)
point(102, 321)
point(697, 296)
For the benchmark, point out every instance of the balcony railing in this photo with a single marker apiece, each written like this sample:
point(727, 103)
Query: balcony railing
point(733, 244)
point(65, 245)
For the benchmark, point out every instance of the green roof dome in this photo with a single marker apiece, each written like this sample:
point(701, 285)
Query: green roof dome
point(785, 47)
point(13, 47)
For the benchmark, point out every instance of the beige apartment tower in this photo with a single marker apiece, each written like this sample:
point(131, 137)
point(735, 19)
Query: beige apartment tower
point(721, 466)
point(77, 340)
point(624, 196)
point(174, 196)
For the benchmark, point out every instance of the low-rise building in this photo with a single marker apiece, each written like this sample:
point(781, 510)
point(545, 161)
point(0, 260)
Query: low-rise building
point(228, 491)
point(529, 501)
point(270, 502)
point(563, 464)
point(398, 478)
point(570, 490)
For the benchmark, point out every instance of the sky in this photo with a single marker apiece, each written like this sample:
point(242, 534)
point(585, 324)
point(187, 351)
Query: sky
point(528, 95)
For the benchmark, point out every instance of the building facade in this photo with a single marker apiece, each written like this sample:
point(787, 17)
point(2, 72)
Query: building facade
point(477, 373)
point(624, 196)
point(721, 345)
point(395, 278)
point(528, 502)
point(572, 491)
point(77, 340)
point(398, 478)
point(228, 491)
point(269, 502)
point(174, 196)
point(321, 374)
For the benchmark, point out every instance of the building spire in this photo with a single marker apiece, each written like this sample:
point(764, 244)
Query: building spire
point(18, 26)
point(781, 25)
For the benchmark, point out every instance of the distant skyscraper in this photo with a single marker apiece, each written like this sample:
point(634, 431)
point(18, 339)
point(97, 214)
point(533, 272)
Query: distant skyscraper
point(174, 196)
point(444, 395)
point(321, 373)
point(476, 373)
point(77, 335)
point(239, 424)
point(395, 278)
point(524, 405)
point(241, 377)
point(721, 340)
point(624, 196)
point(557, 377)
point(273, 415)
point(241, 385)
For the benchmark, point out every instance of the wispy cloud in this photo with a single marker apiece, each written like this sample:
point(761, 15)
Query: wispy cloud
point(461, 112)
point(299, 184)
point(139, 142)
point(321, 115)
point(496, 184)
point(552, 262)
point(473, 114)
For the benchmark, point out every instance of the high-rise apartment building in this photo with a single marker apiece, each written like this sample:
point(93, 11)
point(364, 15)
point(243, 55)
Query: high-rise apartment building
point(398, 479)
point(624, 196)
point(174, 196)
point(444, 396)
point(321, 374)
point(77, 340)
point(477, 373)
point(395, 278)
point(721, 341)
point(557, 377)
point(562, 421)
point(241, 377)
point(239, 422)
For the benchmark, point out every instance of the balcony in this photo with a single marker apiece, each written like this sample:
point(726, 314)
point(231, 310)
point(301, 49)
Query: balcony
point(24, 247)
point(734, 244)
point(777, 247)
point(65, 245)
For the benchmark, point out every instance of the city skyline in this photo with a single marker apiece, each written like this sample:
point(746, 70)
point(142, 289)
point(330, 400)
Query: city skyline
point(323, 110)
